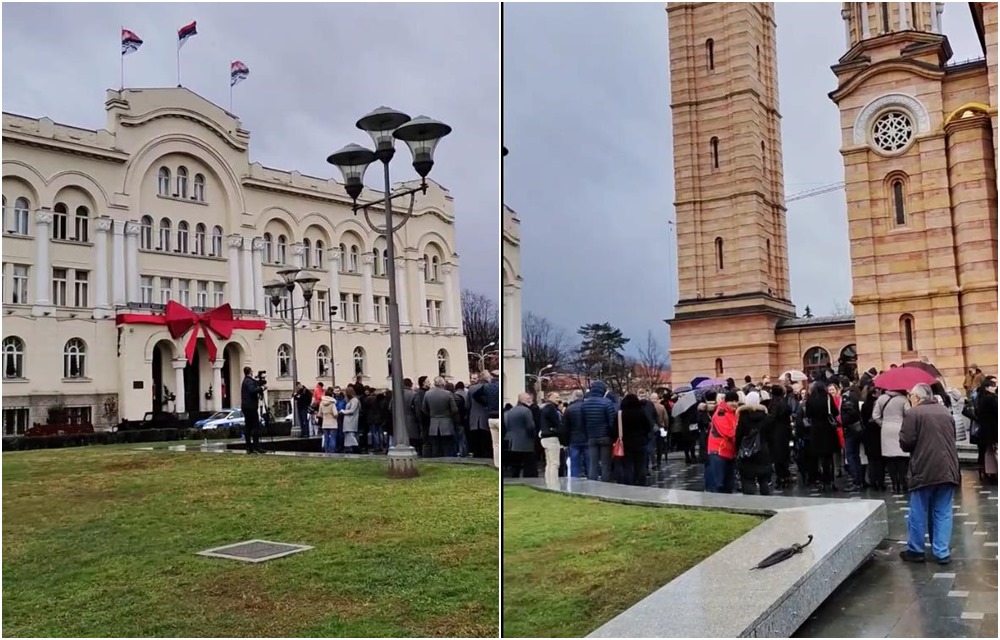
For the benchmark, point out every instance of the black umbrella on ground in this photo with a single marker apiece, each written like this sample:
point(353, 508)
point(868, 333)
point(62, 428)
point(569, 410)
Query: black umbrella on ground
point(782, 554)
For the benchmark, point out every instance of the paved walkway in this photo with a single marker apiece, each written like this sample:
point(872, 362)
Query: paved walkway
point(889, 598)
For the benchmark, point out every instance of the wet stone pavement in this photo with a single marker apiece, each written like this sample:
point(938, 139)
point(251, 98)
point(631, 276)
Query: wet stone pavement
point(886, 597)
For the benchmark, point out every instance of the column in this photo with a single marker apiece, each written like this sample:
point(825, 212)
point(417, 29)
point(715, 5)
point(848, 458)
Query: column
point(235, 241)
point(217, 383)
point(422, 291)
point(299, 260)
point(43, 268)
point(935, 19)
point(865, 27)
point(118, 263)
point(450, 317)
point(402, 292)
point(103, 226)
point(904, 15)
point(334, 277)
point(179, 364)
point(937, 9)
point(132, 261)
point(845, 15)
point(247, 295)
point(367, 290)
point(258, 275)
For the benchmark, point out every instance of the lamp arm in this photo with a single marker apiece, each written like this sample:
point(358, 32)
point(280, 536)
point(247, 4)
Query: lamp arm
point(403, 217)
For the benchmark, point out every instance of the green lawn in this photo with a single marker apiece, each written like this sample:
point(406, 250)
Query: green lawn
point(100, 541)
point(571, 564)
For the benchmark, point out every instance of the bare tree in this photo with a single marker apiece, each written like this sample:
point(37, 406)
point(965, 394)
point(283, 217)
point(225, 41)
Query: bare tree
point(842, 310)
point(652, 360)
point(542, 343)
point(481, 323)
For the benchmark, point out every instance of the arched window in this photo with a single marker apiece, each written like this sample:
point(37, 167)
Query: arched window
point(282, 250)
point(284, 361)
point(199, 187)
point(21, 216)
point(885, 16)
point(719, 371)
point(163, 182)
point(427, 268)
point(306, 253)
point(146, 232)
point(816, 360)
point(323, 361)
point(907, 333)
point(359, 361)
point(268, 248)
point(434, 268)
point(82, 225)
point(217, 241)
point(710, 53)
point(182, 182)
point(13, 357)
point(377, 267)
point(164, 237)
point(758, 60)
point(385, 261)
point(75, 359)
point(59, 221)
point(355, 258)
point(319, 255)
point(182, 237)
point(719, 264)
point(763, 160)
point(770, 265)
point(898, 202)
point(714, 143)
point(199, 239)
point(388, 362)
point(442, 362)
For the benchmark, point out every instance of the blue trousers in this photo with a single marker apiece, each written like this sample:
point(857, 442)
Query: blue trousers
point(330, 440)
point(720, 474)
point(931, 504)
point(578, 460)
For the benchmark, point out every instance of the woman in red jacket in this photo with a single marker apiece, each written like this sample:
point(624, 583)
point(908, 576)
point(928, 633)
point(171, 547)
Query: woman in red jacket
point(720, 472)
point(838, 456)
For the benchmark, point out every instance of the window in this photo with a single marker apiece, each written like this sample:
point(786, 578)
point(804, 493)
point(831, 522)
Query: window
point(442, 362)
point(202, 300)
point(710, 54)
point(915, 14)
point(898, 202)
point(307, 253)
point(321, 306)
point(817, 360)
point(81, 284)
point(182, 182)
point(381, 310)
point(217, 241)
point(767, 244)
point(219, 294)
point(13, 358)
point(434, 313)
point(308, 311)
point(718, 368)
point(146, 233)
point(284, 361)
point(759, 71)
point(81, 225)
point(355, 258)
point(763, 159)
point(907, 333)
point(718, 254)
point(268, 248)
point(885, 16)
point(79, 415)
point(319, 255)
point(164, 237)
point(15, 420)
point(385, 262)
point(322, 361)
point(163, 181)
point(59, 287)
point(146, 289)
point(427, 268)
point(75, 359)
point(282, 252)
point(892, 131)
point(19, 223)
point(19, 286)
point(388, 362)
point(59, 221)
point(714, 143)
point(359, 361)
point(199, 239)
point(184, 292)
point(379, 268)
point(342, 310)
point(199, 187)
point(355, 307)
point(182, 237)
point(431, 269)
point(166, 290)
point(343, 257)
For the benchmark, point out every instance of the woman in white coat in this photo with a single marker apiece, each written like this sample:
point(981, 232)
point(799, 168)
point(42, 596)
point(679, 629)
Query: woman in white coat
point(888, 414)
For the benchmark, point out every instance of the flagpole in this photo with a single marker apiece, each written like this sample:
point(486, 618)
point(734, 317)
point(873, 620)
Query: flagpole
point(179, 64)
point(231, 85)
point(121, 54)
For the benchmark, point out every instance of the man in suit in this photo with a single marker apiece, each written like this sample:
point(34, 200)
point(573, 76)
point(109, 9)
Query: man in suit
point(442, 411)
point(422, 417)
point(250, 393)
point(412, 415)
point(479, 427)
point(521, 433)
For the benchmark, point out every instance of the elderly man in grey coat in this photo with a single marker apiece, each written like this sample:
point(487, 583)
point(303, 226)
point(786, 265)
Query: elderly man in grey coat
point(442, 411)
point(520, 427)
point(479, 424)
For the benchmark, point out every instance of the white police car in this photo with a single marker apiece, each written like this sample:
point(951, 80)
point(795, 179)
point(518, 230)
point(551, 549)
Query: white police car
point(222, 419)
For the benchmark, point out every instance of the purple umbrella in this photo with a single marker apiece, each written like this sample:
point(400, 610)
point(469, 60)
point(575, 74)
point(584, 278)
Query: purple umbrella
point(711, 383)
point(697, 380)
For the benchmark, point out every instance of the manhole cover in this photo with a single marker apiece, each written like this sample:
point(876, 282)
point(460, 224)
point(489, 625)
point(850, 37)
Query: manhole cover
point(254, 551)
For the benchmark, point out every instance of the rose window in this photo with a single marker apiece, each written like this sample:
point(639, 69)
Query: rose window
point(892, 131)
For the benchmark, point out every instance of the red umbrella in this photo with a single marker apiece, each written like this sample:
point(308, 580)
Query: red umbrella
point(923, 366)
point(902, 379)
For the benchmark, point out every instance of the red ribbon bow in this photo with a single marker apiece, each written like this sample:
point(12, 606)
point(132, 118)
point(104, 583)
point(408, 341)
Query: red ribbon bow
point(179, 320)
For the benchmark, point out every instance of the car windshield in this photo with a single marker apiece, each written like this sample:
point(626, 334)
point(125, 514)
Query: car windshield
point(219, 416)
point(237, 413)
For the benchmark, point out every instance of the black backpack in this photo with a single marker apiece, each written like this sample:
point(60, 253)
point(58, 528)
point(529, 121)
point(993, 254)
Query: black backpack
point(850, 414)
point(749, 446)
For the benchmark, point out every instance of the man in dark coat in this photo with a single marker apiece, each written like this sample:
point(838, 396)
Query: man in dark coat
point(250, 393)
point(781, 435)
point(425, 422)
point(601, 424)
point(441, 410)
point(577, 436)
point(519, 427)
point(928, 435)
point(411, 414)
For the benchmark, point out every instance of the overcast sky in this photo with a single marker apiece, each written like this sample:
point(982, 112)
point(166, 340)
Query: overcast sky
point(314, 70)
point(590, 172)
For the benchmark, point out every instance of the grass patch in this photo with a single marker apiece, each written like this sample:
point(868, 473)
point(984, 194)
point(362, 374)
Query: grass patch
point(571, 564)
point(100, 542)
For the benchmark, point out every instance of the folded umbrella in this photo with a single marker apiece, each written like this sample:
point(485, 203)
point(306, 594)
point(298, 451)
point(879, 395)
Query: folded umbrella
point(902, 379)
point(782, 554)
point(924, 366)
point(685, 402)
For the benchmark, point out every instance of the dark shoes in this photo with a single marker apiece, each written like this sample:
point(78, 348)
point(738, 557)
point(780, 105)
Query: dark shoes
point(910, 556)
point(943, 561)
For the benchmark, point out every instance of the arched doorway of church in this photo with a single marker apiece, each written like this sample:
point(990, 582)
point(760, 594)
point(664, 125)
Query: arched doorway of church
point(232, 375)
point(162, 376)
point(192, 382)
point(847, 363)
point(815, 362)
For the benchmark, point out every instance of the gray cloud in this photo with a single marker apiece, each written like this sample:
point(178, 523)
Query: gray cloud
point(314, 70)
point(587, 121)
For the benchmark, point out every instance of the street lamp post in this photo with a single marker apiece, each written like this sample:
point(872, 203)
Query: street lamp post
point(289, 279)
point(331, 312)
point(481, 355)
point(422, 135)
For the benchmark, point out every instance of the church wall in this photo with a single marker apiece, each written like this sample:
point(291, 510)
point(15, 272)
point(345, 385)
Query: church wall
point(794, 342)
point(745, 343)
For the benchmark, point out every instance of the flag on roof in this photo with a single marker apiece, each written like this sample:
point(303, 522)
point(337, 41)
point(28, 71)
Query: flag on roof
point(130, 42)
point(238, 72)
point(186, 32)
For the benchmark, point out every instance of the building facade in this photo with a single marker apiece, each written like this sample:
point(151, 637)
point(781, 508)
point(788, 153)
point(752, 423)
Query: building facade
point(920, 176)
point(102, 229)
point(513, 357)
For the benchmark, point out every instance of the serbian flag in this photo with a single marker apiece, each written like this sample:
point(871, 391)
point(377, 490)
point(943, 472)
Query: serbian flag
point(130, 42)
point(238, 72)
point(186, 32)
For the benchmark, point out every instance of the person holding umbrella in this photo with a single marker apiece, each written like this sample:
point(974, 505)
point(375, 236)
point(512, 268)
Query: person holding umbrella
point(888, 414)
point(685, 415)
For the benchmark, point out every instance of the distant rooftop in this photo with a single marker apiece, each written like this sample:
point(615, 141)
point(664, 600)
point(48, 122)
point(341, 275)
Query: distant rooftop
point(815, 321)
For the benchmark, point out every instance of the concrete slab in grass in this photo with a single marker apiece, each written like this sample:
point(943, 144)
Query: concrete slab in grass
point(721, 596)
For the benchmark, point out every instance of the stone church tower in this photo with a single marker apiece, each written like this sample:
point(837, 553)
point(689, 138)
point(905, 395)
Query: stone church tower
point(919, 149)
point(729, 190)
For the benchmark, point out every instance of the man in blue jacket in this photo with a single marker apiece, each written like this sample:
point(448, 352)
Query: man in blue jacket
point(601, 425)
point(577, 436)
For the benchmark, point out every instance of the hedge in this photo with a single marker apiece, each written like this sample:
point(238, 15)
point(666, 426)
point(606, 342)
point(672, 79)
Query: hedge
point(26, 443)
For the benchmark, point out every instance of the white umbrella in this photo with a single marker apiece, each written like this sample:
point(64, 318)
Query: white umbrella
point(796, 375)
point(684, 402)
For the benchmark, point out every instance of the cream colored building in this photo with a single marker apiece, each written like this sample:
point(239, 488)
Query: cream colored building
point(165, 204)
point(513, 358)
